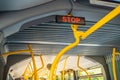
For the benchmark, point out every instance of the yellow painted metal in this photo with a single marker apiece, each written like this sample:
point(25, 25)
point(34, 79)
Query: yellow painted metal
point(41, 59)
point(118, 53)
point(63, 73)
point(77, 35)
point(113, 64)
point(27, 72)
point(89, 78)
point(101, 22)
point(42, 63)
point(114, 53)
point(29, 67)
point(14, 52)
point(24, 51)
point(54, 76)
point(25, 76)
point(34, 63)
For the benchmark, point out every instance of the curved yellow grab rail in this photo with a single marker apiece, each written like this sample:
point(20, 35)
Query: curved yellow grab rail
point(63, 76)
point(41, 59)
point(24, 51)
point(34, 63)
point(14, 52)
point(77, 35)
point(89, 78)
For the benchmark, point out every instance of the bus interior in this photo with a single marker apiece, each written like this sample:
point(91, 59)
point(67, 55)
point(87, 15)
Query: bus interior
point(59, 40)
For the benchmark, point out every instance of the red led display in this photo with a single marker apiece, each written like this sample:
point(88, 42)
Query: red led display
point(70, 20)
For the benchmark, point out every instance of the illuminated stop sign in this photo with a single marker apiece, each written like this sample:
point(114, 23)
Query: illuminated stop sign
point(70, 20)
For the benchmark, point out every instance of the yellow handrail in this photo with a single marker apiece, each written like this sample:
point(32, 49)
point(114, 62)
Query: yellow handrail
point(27, 71)
point(63, 73)
point(114, 63)
point(30, 68)
point(77, 35)
point(14, 52)
point(24, 51)
point(102, 21)
point(24, 74)
point(41, 62)
point(89, 78)
point(54, 76)
point(40, 67)
point(33, 60)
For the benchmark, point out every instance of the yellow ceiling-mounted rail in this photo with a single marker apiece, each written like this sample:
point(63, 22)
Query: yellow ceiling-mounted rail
point(114, 53)
point(89, 78)
point(83, 35)
point(102, 21)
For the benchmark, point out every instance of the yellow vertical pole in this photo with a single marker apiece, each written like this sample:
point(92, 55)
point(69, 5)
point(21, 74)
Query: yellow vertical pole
point(31, 66)
point(77, 35)
point(89, 78)
point(30, 70)
point(27, 71)
point(41, 62)
point(63, 73)
point(114, 64)
point(34, 63)
point(40, 67)
point(25, 76)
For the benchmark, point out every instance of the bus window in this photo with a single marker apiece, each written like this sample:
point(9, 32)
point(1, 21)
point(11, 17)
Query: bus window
point(95, 73)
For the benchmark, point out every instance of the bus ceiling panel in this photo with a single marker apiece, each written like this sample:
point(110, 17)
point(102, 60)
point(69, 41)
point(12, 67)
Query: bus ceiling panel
point(89, 16)
point(94, 15)
point(6, 5)
point(50, 49)
point(48, 34)
point(9, 19)
point(19, 26)
point(18, 18)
